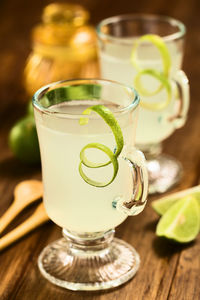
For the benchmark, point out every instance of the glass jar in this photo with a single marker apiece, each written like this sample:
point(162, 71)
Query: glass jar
point(64, 47)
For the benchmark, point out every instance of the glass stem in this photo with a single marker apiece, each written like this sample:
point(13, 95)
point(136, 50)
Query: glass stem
point(88, 242)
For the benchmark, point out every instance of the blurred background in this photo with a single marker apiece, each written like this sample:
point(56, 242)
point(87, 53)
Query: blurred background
point(18, 17)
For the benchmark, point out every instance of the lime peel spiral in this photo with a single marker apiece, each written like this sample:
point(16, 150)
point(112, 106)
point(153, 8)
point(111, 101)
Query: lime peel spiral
point(161, 76)
point(109, 118)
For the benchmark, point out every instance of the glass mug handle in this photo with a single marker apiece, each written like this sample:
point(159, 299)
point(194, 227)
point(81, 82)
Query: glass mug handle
point(182, 84)
point(137, 203)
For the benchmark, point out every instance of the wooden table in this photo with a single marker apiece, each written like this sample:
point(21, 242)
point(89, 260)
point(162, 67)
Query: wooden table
point(167, 271)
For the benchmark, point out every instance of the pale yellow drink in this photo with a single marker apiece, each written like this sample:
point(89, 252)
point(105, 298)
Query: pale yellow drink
point(115, 61)
point(71, 202)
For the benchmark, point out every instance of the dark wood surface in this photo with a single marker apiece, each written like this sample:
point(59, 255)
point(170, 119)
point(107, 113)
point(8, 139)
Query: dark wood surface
point(167, 271)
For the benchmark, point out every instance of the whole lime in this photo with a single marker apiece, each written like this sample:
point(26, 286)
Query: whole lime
point(23, 141)
point(30, 108)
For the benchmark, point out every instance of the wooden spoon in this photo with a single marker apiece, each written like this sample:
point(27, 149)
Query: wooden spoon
point(25, 193)
point(37, 218)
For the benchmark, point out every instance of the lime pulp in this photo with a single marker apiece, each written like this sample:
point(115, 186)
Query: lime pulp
point(163, 204)
point(181, 222)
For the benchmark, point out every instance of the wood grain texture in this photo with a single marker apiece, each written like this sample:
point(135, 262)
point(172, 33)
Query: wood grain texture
point(167, 271)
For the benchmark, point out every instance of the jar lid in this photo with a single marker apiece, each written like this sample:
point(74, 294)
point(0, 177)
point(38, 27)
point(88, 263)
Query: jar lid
point(62, 13)
point(64, 25)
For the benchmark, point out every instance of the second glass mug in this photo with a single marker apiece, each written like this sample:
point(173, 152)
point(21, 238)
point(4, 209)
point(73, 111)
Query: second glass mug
point(117, 36)
point(88, 257)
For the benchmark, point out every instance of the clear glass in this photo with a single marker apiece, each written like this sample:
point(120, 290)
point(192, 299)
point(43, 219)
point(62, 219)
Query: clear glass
point(117, 36)
point(88, 257)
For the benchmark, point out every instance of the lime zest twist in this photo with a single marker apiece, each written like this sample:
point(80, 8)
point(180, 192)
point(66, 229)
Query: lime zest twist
point(109, 118)
point(161, 76)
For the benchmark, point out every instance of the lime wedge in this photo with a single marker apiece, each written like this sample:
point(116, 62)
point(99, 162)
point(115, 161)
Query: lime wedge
point(181, 222)
point(163, 204)
point(109, 118)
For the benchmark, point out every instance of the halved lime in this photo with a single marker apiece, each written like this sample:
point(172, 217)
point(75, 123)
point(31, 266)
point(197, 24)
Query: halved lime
point(163, 204)
point(181, 222)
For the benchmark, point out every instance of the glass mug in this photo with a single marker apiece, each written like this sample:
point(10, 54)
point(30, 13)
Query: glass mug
point(88, 257)
point(117, 37)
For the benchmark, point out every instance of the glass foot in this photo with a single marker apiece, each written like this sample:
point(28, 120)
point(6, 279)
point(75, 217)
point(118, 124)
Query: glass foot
point(88, 264)
point(164, 172)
